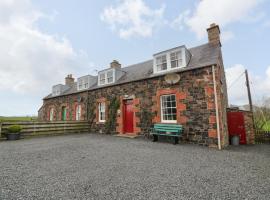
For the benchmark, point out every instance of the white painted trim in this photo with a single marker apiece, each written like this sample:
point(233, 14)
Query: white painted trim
point(99, 105)
point(161, 110)
point(168, 59)
point(106, 76)
point(216, 104)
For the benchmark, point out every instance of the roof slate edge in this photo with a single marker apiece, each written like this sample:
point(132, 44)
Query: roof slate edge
point(124, 82)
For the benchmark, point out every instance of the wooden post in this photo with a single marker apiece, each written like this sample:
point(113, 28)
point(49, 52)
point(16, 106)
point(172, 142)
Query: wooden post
point(249, 93)
point(0, 129)
point(249, 98)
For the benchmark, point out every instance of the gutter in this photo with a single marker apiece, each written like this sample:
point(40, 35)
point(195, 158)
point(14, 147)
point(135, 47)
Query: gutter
point(216, 104)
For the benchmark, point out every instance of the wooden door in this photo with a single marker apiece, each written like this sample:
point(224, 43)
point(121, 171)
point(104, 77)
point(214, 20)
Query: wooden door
point(128, 116)
point(236, 125)
point(64, 113)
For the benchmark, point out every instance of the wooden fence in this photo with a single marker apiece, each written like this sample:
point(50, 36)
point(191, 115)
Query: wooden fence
point(262, 137)
point(47, 128)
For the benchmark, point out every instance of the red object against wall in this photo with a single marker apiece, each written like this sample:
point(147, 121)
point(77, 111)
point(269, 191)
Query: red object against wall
point(236, 125)
point(128, 116)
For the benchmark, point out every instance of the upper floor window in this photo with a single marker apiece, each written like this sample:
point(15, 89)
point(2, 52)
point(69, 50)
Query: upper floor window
point(176, 59)
point(80, 82)
point(106, 77)
point(78, 112)
point(168, 108)
point(84, 82)
point(171, 59)
point(102, 79)
point(109, 76)
point(161, 63)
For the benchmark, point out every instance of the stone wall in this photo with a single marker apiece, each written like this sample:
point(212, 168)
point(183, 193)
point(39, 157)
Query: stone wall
point(195, 104)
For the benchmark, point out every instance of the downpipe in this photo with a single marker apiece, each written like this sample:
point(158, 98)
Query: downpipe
point(216, 104)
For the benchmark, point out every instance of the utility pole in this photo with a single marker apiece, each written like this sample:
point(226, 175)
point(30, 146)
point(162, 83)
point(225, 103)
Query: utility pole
point(249, 94)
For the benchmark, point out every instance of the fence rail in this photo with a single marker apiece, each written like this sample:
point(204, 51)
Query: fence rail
point(262, 137)
point(47, 128)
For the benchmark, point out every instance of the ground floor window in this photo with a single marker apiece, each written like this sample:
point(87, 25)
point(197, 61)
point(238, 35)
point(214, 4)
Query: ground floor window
point(64, 113)
point(101, 108)
point(51, 114)
point(168, 108)
point(78, 112)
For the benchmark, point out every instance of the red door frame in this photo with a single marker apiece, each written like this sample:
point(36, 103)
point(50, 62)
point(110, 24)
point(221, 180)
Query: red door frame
point(128, 116)
point(236, 125)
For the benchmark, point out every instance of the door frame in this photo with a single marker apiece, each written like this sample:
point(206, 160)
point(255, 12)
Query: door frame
point(124, 116)
point(243, 135)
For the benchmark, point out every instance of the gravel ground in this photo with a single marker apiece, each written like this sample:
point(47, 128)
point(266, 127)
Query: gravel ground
point(104, 167)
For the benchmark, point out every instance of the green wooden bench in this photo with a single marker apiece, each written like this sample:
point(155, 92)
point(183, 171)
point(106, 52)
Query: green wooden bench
point(169, 130)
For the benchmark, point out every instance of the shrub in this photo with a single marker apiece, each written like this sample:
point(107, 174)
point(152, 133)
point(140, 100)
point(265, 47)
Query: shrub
point(14, 129)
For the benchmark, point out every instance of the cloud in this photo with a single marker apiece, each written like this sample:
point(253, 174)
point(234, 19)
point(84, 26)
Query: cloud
point(222, 12)
point(132, 18)
point(236, 83)
point(32, 61)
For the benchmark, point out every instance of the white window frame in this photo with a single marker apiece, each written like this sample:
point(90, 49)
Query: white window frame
point(176, 60)
point(80, 84)
point(78, 112)
point(101, 108)
point(83, 83)
point(51, 117)
point(106, 77)
point(161, 109)
point(162, 63)
point(168, 59)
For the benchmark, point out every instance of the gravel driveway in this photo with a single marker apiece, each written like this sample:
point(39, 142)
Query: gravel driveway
point(105, 167)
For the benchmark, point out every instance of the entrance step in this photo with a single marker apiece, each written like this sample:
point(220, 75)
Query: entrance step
point(126, 136)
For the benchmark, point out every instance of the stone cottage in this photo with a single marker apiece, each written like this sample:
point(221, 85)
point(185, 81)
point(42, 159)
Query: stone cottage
point(181, 85)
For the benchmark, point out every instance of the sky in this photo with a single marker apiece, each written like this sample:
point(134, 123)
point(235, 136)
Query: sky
point(43, 41)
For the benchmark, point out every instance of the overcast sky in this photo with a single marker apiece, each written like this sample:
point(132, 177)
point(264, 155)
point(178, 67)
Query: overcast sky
point(43, 41)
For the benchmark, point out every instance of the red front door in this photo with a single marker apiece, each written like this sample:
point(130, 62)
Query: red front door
point(236, 125)
point(128, 116)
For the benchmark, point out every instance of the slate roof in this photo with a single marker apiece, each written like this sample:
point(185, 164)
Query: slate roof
point(202, 56)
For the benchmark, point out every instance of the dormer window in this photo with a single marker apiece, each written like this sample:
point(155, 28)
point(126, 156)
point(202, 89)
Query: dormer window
point(80, 84)
point(171, 59)
point(161, 63)
point(102, 78)
point(109, 76)
point(176, 59)
point(106, 77)
point(85, 82)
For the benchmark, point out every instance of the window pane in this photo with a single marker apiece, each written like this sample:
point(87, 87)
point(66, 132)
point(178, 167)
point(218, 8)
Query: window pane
point(168, 104)
point(102, 111)
point(176, 59)
point(161, 62)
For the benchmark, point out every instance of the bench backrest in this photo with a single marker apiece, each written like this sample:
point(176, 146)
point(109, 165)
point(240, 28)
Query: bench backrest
point(174, 128)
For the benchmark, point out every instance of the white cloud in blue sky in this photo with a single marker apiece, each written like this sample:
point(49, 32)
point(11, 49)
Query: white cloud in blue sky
point(131, 18)
point(42, 41)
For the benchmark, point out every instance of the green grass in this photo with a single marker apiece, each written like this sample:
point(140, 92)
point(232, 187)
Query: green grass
point(14, 119)
point(266, 127)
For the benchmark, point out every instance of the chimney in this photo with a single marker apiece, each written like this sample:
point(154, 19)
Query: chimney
point(69, 80)
point(115, 64)
point(214, 34)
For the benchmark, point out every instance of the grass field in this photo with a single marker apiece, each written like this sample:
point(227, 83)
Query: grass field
point(21, 118)
point(266, 127)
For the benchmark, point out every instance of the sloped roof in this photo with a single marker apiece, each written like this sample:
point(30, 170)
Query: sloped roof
point(202, 56)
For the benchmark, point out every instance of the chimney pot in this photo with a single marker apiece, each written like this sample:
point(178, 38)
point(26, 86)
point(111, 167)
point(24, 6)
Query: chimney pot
point(69, 80)
point(214, 34)
point(115, 64)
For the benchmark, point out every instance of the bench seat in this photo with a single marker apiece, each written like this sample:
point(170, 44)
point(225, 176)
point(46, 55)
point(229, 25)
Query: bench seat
point(169, 130)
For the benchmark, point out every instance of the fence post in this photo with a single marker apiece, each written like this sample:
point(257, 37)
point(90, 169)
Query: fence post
point(0, 129)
